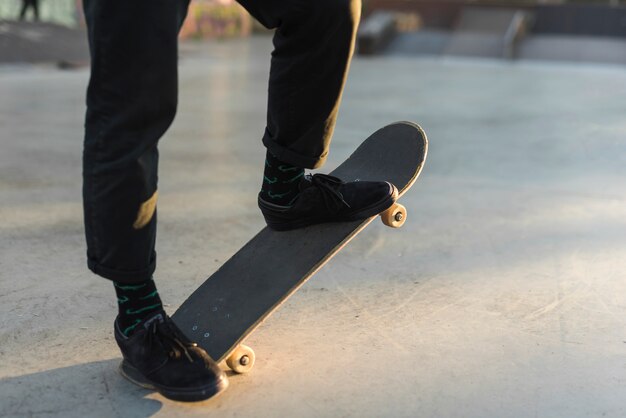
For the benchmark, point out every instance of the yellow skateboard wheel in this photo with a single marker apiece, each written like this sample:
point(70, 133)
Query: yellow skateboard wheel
point(241, 360)
point(395, 216)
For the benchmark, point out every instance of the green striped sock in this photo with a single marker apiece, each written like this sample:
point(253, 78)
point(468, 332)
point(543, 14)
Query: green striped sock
point(280, 181)
point(136, 302)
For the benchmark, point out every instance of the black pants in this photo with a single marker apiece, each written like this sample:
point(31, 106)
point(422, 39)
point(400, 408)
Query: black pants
point(132, 97)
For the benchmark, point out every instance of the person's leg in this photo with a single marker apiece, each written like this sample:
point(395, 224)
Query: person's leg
point(313, 45)
point(131, 102)
point(35, 5)
point(25, 5)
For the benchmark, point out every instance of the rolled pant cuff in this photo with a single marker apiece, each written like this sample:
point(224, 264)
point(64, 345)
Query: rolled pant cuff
point(128, 277)
point(288, 156)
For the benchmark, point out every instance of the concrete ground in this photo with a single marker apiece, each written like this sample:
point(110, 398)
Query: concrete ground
point(503, 296)
point(37, 42)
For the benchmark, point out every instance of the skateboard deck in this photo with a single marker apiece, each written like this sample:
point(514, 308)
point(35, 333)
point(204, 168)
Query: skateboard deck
point(236, 299)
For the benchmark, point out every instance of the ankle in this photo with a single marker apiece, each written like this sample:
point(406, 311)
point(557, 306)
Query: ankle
point(136, 302)
point(281, 181)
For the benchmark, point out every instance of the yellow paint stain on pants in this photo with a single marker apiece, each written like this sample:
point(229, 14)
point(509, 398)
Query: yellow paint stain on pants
point(146, 211)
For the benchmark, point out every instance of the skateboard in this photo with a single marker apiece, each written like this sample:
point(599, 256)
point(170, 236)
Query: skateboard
point(242, 293)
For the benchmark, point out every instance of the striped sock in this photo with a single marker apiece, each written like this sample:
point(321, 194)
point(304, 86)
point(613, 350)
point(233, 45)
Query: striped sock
point(280, 181)
point(136, 302)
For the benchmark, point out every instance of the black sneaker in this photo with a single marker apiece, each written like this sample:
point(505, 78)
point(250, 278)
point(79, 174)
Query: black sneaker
point(325, 198)
point(159, 357)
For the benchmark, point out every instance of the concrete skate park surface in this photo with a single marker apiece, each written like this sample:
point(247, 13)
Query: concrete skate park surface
point(35, 42)
point(504, 295)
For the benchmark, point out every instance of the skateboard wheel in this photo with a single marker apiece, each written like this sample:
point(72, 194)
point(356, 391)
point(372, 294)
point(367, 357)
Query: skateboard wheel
point(395, 216)
point(241, 360)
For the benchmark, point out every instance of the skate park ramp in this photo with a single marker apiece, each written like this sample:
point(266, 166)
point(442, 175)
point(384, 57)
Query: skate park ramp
point(479, 32)
point(483, 33)
point(520, 34)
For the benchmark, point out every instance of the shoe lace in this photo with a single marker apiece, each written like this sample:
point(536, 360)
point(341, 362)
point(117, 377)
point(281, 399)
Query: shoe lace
point(329, 187)
point(169, 339)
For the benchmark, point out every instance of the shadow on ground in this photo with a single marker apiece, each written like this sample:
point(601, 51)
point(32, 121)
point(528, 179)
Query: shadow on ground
point(61, 392)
